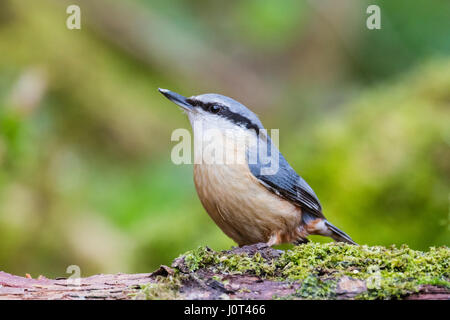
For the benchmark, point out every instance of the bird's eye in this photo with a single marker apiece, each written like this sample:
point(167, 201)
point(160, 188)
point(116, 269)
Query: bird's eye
point(214, 108)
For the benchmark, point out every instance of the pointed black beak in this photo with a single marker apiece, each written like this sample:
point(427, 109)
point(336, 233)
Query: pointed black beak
point(176, 98)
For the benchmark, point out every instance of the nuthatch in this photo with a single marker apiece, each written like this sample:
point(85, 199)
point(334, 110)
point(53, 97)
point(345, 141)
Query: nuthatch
point(250, 204)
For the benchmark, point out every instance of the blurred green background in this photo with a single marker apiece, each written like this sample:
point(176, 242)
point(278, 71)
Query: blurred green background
point(85, 170)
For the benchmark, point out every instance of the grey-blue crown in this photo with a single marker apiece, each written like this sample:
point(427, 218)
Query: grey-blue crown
point(228, 108)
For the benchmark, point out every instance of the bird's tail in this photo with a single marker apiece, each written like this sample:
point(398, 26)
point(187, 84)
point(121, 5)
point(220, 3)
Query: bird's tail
point(339, 235)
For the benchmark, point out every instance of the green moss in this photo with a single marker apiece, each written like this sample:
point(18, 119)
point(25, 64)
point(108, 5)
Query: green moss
point(164, 288)
point(199, 258)
point(313, 287)
point(388, 272)
point(203, 257)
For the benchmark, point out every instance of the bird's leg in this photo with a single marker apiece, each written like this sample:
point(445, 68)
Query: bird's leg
point(274, 239)
point(302, 234)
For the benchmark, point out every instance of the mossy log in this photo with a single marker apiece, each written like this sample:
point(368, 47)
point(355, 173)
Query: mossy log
point(310, 271)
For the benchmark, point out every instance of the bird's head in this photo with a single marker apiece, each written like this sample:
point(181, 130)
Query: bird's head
point(216, 111)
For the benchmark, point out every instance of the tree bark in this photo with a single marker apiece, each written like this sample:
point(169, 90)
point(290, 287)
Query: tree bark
point(203, 283)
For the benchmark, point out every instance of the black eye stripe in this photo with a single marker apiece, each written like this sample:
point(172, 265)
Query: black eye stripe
point(226, 113)
point(206, 106)
point(193, 102)
point(239, 119)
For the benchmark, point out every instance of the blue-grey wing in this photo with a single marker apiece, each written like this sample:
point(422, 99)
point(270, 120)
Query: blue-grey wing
point(283, 180)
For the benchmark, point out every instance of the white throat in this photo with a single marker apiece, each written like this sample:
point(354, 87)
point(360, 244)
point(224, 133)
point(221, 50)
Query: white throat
point(219, 141)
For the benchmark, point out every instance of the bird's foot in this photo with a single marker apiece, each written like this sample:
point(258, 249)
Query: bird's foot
point(274, 239)
point(300, 241)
